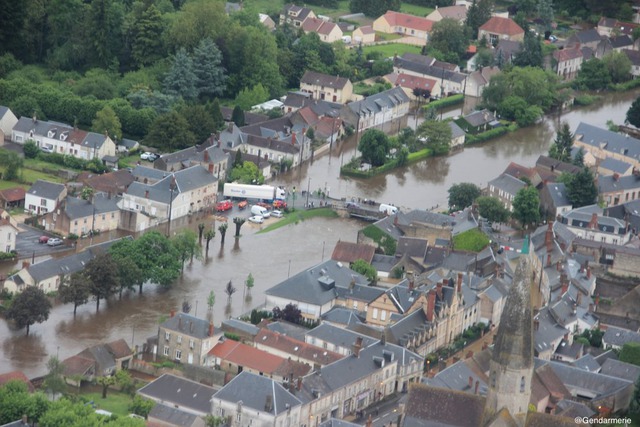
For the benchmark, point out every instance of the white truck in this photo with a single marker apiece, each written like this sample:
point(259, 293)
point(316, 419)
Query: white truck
point(258, 192)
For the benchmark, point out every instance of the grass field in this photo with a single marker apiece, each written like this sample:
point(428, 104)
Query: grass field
point(414, 9)
point(473, 241)
point(297, 216)
point(272, 6)
point(116, 402)
point(388, 50)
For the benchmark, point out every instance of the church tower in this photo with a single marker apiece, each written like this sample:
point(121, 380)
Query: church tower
point(511, 366)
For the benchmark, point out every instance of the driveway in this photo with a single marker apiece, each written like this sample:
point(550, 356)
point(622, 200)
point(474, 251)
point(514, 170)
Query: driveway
point(27, 243)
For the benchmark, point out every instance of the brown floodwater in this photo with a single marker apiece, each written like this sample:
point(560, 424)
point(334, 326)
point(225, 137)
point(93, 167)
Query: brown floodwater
point(271, 257)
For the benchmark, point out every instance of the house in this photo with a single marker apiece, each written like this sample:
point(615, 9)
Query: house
point(180, 393)
point(166, 416)
point(8, 232)
point(457, 136)
point(505, 51)
point(629, 211)
point(504, 188)
point(498, 28)
point(235, 357)
point(337, 339)
point(48, 274)
point(479, 79)
point(12, 198)
point(606, 26)
point(363, 35)
point(290, 348)
point(183, 333)
point(126, 145)
point(78, 216)
point(7, 121)
point(267, 21)
point(634, 57)
point(43, 197)
point(348, 252)
point(615, 189)
point(63, 139)
point(549, 169)
point(395, 302)
point(603, 143)
point(326, 30)
point(477, 121)
point(614, 44)
point(616, 338)
point(416, 87)
point(376, 110)
point(405, 24)
point(295, 15)
point(314, 290)
point(448, 75)
point(567, 62)
point(523, 173)
point(16, 376)
point(553, 200)
point(276, 139)
point(208, 155)
point(179, 194)
point(326, 128)
point(250, 399)
point(101, 360)
point(457, 13)
point(323, 86)
point(589, 222)
point(585, 38)
point(611, 166)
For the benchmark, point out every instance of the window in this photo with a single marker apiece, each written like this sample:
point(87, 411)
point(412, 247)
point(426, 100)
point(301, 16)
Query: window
point(238, 416)
point(166, 350)
point(113, 215)
point(191, 344)
point(383, 315)
point(167, 336)
point(43, 202)
point(522, 383)
point(179, 339)
point(374, 315)
point(355, 305)
point(178, 354)
point(104, 216)
point(8, 238)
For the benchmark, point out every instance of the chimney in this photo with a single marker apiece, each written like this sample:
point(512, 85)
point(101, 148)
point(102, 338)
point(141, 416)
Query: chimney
point(588, 272)
point(230, 127)
point(477, 387)
point(190, 326)
point(579, 299)
point(357, 347)
point(369, 421)
point(470, 381)
point(616, 177)
point(293, 139)
point(536, 324)
point(146, 194)
point(395, 219)
point(172, 313)
point(439, 290)
point(548, 237)
point(548, 260)
point(565, 286)
point(597, 300)
point(383, 338)
point(25, 264)
point(211, 329)
point(299, 384)
point(431, 304)
point(179, 322)
point(594, 221)
point(459, 283)
point(558, 266)
point(268, 404)
point(206, 156)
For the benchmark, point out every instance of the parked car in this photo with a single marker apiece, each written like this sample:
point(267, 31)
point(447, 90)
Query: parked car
point(224, 205)
point(279, 204)
point(276, 214)
point(256, 219)
point(267, 206)
point(149, 156)
point(243, 204)
point(54, 241)
point(43, 239)
point(153, 157)
point(46, 149)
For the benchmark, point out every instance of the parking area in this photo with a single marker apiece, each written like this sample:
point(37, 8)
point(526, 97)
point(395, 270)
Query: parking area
point(27, 243)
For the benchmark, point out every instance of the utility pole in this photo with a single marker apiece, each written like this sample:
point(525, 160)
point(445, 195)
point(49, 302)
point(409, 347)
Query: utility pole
point(308, 188)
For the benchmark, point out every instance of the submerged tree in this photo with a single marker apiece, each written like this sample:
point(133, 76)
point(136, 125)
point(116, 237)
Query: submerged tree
point(29, 307)
point(208, 236)
point(229, 290)
point(74, 289)
point(238, 222)
point(223, 231)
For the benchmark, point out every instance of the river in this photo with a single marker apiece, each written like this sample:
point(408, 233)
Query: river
point(271, 257)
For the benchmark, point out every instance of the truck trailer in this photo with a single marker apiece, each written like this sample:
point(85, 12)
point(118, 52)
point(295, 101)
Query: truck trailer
point(258, 192)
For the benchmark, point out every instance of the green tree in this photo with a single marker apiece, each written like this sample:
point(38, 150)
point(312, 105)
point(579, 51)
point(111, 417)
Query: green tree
point(581, 189)
point(106, 121)
point(74, 290)
point(492, 209)
point(290, 313)
point(526, 206)
point(201, 122)
point(373, 8)
point(186, 245)
point(237, 116)
point(208, 236)
point(13, 164)
point(249, 282)
point(530, 54)
point(211, 299)
point(31, 150)
point(238, 221)
point(578, 160)
point(479, 12)
point(197, 20)
point(126, 382)
point(213, 421)
point(29, 307)
point(619, 66)
point(154, 254)
point(141, 406)
point(248, 173)
point(630, 353)
point(105, 37)
point(448, 37)
point(545, 13)
point(561, 147)
point(170, 132)
point(54, 381)
point(462, 195)
point(437, 135)
point(633, 113)
point(147, 46)
point(181, 79)
point(593, 75)
point(105, 383)
point(102, 275)
point(247, 98)
point(207, 66)
point(223, 232)
point(129, 275)
point(363, 267)
point(216, 113)
point(374, 146)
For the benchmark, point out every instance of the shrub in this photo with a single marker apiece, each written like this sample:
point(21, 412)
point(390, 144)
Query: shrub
point(446, 102)
point(31, 150)
point(232, 336)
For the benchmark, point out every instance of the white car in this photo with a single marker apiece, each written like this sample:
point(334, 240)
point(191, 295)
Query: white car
point(276, 214)
point(256, 219)
point(148, 156)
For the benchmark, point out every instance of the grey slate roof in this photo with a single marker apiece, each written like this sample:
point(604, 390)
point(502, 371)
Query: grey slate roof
point(405, 328)
point(39, 127)
point(588, 36)
point(186, 180)
point(610, 141)
point(456, 131)
point(337, 336)
point(46, 189)
point(375, 103)
point(286, 328)
point(253, 390)
point(507, 183)
point(416, 217)
point(141, 172)
point(343, 316)
point(94, 140)
point(558, 194)
point(548, 331)
point(3, 110)
point(588, 363)
point(320, 79)
point(429, 70)
point(172, 416)
point(318, 285)
point(571, 409)
point(181, 392)
point(607, 183)
point(456, 377)
point(245, 327)
point(76, 207)
point(188, 325)
point(615, 165)
point(384, 263)
point(618, 337)
point(334, 422)
point(580, 217)
point(618, 369)
point(479, 118)
point(128, 143)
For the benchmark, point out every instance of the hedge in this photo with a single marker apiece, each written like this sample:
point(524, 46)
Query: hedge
point(490, 134)
point(446, 102)
point(391, 164)
point(621, 87)
point(585, 99)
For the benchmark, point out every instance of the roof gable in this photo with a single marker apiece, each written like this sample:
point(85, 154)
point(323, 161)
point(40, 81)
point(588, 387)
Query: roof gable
point(499, 25)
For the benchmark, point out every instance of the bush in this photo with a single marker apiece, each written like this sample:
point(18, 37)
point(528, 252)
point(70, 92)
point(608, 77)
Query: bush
point(384, 241)
point(585, 99)
point(31, 150)
point(446, 102)
point(8, 255)
point(232, 336)
point(490, 134)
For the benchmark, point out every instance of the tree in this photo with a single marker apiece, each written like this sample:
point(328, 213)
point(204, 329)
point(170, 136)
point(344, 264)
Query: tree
point(181, 80)
point(106, 121)
point(630, 353)
point(186, 245)
point(201, 228)
point(526, 206)
point(545, 13)
point(129, 275)
point(374, 146)
point(105, 37)
point(29, 307)
point(74, 290)
point(248, 97)
point(633, 113)
point(229, 290)
point(197, 20)
point(290, 313)
point(216, 113)
point(536, 86)
point(106, 382)
point(141, 406)
point(213, 421)
point(619, 66)
point(208, 236)
point(248, 173)
point(222, 228)
point(462, 195)
point(578, 159)
point(237, 116)
point(211, 299)
point(249, 282)
point(54, 381)
point(170, 132)
point(13, 164)
point(146, 46)
point(373, 8)
point(207, 67)
point(448, 37)
point(31, 150)
point(581, 189)
point(200, 120)
point(126, 382)
point(593, 75)
point(238, 221)
point(561, 147)
point(492, 209)
point(530, 54)
point(102, 274)
point(479, 12)
point(363, 267)
point(437, 135)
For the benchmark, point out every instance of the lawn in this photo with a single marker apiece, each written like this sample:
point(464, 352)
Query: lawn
point(300, 215)
point(10, 184)
point(414, 9)
point(473, 240)
point(388, 50)
point(29, 176)
point(386, 36)
point(116, 402)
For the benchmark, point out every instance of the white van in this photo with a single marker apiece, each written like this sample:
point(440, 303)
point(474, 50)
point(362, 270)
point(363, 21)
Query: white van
point(259, 210)
point(388, 209)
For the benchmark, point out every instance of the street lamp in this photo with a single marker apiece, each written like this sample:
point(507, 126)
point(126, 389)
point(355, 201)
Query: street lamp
point(308, 188)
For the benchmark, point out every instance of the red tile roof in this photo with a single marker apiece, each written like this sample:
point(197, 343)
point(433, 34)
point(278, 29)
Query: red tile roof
point(567, 54)
point(16, 376)
point(318, 25)
point(412, 82)
point(296, 347)
point(349, 252)
point(498, 25)
point(12, 194)
point(77, 365)
point(367, 29)
point(396, 19)
point(258, 360)
point(119, 349)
